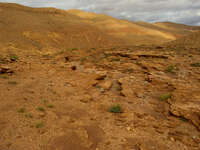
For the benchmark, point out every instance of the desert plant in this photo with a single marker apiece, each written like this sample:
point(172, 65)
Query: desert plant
point(28, 115)
point(21, 110)
point(74, 49)
point(12, 82)
point(170, 68)
point(39, 125)
point(14, 57)
point(115, 109)
point(4, 76)
point(165, 97)
point(196, 64)
point(50, 106)
point(40, 109)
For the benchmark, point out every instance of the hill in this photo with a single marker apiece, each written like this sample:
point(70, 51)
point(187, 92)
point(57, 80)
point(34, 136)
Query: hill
point(50, 28)
point(136, 32)
point(189, 42)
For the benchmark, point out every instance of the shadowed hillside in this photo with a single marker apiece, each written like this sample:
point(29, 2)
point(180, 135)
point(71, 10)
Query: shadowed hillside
point(50, 28)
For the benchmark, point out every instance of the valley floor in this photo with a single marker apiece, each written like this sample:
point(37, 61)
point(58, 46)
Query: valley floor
point(63, 101)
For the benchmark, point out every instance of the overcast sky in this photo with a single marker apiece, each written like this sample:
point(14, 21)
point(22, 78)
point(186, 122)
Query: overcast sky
point(181, 11)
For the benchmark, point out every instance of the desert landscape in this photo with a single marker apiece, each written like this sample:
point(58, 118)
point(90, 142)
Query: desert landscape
point(75, 80)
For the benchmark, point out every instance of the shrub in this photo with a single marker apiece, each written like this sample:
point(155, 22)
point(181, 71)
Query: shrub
point(14, 57)
point(21, 110)
point(39, 125)
point(116, 109)
point(165, 97)
point(170, 68)
point(196, 64)
point(12, 82)
point(40, 109)
point(50, 106)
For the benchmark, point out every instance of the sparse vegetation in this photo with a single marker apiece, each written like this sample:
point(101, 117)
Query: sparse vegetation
point(165, 97)
point(40, 109)
point(13, 57)
point(115, 109)
point(74, 49)
point(130, 70)
point(54, 92)
point(170, 68)
point(1, 59)
point(60, 52)
point(44, 101)
point(83, 59)
point(196, 64)
point(21, 110)
point(183, 119)
point(4, 77)
point(12, 82)
point(115, 59)
point(93, 48)
point(28, 115)
point(50, 106)
point(39, 125)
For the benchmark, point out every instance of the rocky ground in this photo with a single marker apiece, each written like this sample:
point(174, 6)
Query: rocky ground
point(114, 98)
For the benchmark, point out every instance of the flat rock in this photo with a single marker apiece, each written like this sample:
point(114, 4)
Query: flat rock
point(5, 69)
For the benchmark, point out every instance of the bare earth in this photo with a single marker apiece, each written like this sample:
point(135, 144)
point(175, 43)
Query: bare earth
point(56, 94)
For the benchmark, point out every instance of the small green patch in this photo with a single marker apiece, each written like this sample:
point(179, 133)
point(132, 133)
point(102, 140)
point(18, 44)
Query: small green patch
point(12, 82)
point(165, 97)
point(39, 125)
point(13, 57)
point(60, 52)
point(115, 109)
point(21, 110)
point(4, 77)
point(44, 101)
point(40, 109)
point(74, 49)
point(115, 59)
point(50, 106)
point(183, 119)
point(130, 70)
point(46, 55)
point(83, 59)
point(93, 48)
point(28, 115)
point(170, 68)
point(196, 64)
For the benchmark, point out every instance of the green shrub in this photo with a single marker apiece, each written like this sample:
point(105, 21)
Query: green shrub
point(74, 49)
point(165, 97)
point(170, 68)
point(116, 109)
point(21, 110)
point(14, 57)
point(40, 109)
point(28, 115)
point(39, 125)
point(196, 64)
point(50, 106)
point(12, 82)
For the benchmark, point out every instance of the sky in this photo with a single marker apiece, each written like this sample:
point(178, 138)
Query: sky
point(180, 11)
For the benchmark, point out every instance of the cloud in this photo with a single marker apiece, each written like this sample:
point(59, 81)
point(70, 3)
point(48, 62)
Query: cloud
point(181, 11)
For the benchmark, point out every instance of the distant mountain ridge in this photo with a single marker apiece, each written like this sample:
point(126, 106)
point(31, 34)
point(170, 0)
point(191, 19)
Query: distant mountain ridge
point(51, 28)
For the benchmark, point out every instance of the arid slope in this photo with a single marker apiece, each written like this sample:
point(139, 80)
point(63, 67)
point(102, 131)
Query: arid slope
point(136, 32)
point(47, 28)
